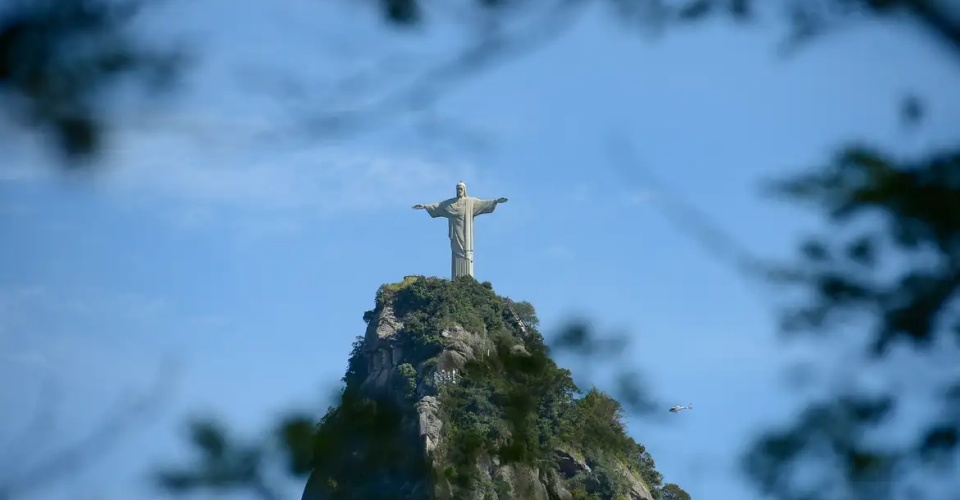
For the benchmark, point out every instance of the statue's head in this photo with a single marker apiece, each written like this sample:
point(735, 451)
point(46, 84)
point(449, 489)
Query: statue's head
point(461, 190)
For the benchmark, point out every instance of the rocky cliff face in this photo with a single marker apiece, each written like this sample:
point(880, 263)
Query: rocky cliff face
point(450, 394)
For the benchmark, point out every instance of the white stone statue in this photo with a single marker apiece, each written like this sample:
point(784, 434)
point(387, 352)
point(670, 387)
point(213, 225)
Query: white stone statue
point(459, 213)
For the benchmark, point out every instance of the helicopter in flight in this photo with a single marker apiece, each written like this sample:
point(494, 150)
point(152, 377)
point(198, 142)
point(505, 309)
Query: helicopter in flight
point(676, 409)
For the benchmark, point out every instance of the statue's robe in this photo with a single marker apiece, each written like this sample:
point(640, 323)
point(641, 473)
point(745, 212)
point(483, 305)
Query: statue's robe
point(459, 213)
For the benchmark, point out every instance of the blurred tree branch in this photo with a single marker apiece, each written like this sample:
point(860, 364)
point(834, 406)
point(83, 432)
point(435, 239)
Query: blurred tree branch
point(59, 59)
point(71, 459)
point(686, 216)
point(227, 463)
point(919, 202)
point(50, 84)
point(916, 200)
point(898, 275)
point(580, 340)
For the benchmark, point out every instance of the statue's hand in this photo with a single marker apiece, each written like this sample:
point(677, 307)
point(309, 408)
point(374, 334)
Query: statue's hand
point(418, 207)
point(501, 200)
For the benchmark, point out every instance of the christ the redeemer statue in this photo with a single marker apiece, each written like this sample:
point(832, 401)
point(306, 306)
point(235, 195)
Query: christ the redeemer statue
point(459, 213)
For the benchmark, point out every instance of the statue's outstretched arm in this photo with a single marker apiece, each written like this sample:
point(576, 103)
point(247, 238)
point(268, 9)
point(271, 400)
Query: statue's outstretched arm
point(433, 209)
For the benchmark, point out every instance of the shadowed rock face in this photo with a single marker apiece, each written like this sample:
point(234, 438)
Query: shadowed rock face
point(393, 367)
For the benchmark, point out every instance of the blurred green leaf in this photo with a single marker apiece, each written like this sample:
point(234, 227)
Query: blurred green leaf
point(210, 438)
point(296, 435)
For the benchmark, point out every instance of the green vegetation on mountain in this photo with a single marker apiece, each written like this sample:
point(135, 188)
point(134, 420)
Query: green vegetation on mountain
point(511, 405)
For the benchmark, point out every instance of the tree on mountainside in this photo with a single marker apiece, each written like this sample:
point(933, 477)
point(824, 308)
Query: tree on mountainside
point(674, 492)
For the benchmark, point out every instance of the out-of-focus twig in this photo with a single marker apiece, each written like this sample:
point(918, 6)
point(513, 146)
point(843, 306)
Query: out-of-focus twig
point(433, 83)
point(72, 459)
point(686, 217)
point(40, 425)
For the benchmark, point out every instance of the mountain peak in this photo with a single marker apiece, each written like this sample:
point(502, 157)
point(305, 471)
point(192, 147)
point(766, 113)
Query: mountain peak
point(451, 394)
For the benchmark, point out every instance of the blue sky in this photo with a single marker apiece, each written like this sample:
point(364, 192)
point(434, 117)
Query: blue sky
point(236, 266)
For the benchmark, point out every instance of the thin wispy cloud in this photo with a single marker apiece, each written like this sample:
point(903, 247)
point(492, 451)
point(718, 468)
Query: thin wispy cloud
point(12, 301)
point(559, 252)
point(640, 196)
point(200, 179)
point(71, 331)
point(14, 209)
point(28, 359)
point(213, 154)
point(581, 193)
point(584, 193)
